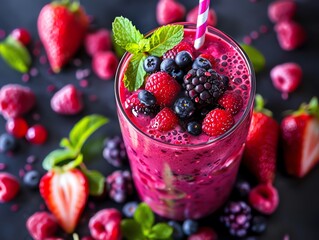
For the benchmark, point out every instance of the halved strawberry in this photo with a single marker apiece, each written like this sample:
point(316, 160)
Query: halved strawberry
point(65, 193)
point(300, 135)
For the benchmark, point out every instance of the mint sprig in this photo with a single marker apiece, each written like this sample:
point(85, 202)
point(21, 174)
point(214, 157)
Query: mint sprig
point(127, 37)
point(256, 57)
point(142, 226)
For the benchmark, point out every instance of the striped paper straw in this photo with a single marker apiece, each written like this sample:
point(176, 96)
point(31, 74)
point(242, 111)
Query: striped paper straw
point(201, 23)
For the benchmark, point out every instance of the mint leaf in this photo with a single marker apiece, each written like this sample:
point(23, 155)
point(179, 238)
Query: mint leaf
point(131, 229)
point(83, 129)
point(132, 48)
point(118, 50)
point(57, 157)
point(74, 163)
point(160, 231)
point(134, 74)
point(165, 38)
point(255, 56)
point(96, 182)
point(125, 32)
point(144, 216)
point(15, 54)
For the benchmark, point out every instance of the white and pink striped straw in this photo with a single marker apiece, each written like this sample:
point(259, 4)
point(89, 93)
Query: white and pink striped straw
point(201, 23)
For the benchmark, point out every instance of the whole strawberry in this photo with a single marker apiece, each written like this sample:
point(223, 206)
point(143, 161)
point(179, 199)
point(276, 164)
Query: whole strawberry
point(62, 26)
point(261, 146)
point(300, 137)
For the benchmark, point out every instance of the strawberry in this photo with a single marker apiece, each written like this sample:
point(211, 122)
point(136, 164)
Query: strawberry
point(290, 34)
point(62, 26)
point(193, 14)
point(286, 77)
point(164, 87)
point(261, 146)
point(65, 194)
point(282, 10)
point(300, 137)
point(217, 122)
point(231, 102)
point(169, 11)
point(182, 46)
point(165, 120)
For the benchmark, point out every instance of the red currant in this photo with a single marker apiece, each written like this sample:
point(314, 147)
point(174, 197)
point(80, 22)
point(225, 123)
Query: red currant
point(37, 134)
point(22, 35)
point(17, 127)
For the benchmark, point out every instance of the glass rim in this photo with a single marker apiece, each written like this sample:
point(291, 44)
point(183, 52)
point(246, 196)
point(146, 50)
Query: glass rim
point(226, 38)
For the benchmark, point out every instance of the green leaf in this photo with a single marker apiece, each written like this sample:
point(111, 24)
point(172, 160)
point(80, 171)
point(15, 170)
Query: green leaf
point(132, 48)
point(160, 231)
point(118, 50)
point(65, 143)
point(131, 229)
point(96, 181)
point(15, 54)
point(83, 129)
point(144, 216)
point(134, 74)
point(74, 163)
point(57, 157)
point(125, 32)
point(255, 56)
point(165, 38)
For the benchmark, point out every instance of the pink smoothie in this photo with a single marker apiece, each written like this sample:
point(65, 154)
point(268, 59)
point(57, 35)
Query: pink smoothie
point(180, 175)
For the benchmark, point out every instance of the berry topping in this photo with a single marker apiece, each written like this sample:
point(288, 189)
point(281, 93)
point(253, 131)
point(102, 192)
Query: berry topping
point(31, 179)
point(164, 87)
point(105, 224)
point(168, 65)
point(42, 225)
point(281, 10)
point(182, 46)
point(194, 128)
point(201, 62)
point(37, 134)
point(169, 11)
point(7, 143)
point(231, 102)
point(152, 64)
point(67, 101)
point(114, 151)
point(178, 233)
point(17, 127)
point(236, 217)
point(129, 209)
point(98, 41)
point(184, 107)
point(190, 227)
point(204, 233)
point(258, 224)
point(22, 35)
point(9, 187)
point(104, 64)
point(217, 122)
point(134, 105)
point(183, 59)
point(264, 198)
point(120, 185)
point(146, 98)
point(193, 14)
point(165, 120)
point(15, 100)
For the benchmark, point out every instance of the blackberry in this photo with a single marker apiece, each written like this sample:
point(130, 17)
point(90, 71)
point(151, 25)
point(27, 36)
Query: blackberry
point(237, 217)
point(204, 86)
point(114, 151)
point(184, 107)
point(120, 185)
point(152, 64)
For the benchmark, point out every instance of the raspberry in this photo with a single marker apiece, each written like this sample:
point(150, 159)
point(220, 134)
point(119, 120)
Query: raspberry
point(15, 100)
point(120, 185)
point(114, 151)
point(217, 122)
point(37, 134)
point(231, 102)
point(98, 41)
point(165, 120)
point(286, 77)
point(164, 87)
point(67, 101)
point(134, 104)
point(105, 224)
point(290, 35)
point(204, 233)
point(182, 46)
point(22, 35)
point(42, 225)
point(104, 64)
point(169, 11)
point(193, 13)
point(281, 10)
point(264, 198)
point(17, 127)
point(9, 187)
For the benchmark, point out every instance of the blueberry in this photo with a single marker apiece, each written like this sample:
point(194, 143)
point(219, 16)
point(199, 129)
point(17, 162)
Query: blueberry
point(184, 107)
point(242, 189)
point(168, 65)
point(258, 224)
point(31, 179)
point(129, 209)
point(194, 128)
point(183, 59)
point(177, 230)
point(152, 64)
point(201, 62)
point(190, 227)
point(147, 98)
point(7, 143)
point(178, 74)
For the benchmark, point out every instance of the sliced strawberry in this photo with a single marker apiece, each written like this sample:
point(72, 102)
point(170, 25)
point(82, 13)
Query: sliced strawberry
point(65, 194)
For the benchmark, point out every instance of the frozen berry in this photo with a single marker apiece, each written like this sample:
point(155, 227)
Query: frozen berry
point(194, 128)
point(182, 46)
point(17, 127)
point(146, 98)
point(42, 225)
point(183, 59)
point(168, 11)
point(120, 185)
point(168, 65)
point(281, 10)
point(98, 41)
point(258, 224)
point(114, 151)
point(7, 143)
point(165, 120)
point(152, 64)
point(190, 227)
point(104, 64)
point(217, 122)
point(129, 209)
point(105, 224)
point(231, 102)
point(184, 107)
point(201, 62)
point(22, 35)
point(193, 14)
point(204, 233)
point(178, 233)
point(37, 134)
point(9, 187)
point(31, 179)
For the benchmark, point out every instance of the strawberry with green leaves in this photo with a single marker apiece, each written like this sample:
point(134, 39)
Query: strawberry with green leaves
point(300, 137)
point(260, 153)
point(62, 26)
